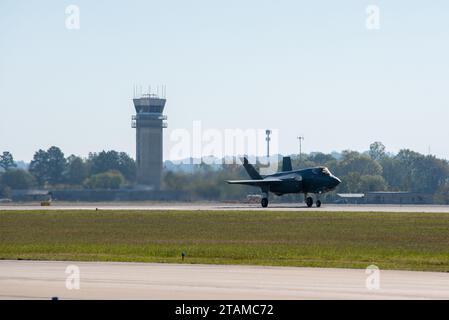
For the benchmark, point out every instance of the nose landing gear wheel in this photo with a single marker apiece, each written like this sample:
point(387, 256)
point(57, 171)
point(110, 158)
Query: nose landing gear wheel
point(264, 202)
point(318, 203)
point(309, 202)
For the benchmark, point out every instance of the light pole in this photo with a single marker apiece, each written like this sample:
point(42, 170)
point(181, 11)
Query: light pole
point(268, 132)
point(300, 138)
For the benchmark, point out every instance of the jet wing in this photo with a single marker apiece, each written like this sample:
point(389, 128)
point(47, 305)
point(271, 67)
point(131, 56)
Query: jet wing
point(255, 182)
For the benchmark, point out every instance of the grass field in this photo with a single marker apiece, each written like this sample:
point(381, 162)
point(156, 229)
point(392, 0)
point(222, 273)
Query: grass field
point(412, 241)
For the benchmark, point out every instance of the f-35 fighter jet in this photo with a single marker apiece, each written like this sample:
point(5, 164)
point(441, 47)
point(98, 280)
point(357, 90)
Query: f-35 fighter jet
point(316, 181)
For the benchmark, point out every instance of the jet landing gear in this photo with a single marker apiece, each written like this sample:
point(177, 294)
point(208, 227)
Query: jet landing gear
point(318, 200)
point(264, 202)
point(309, 202)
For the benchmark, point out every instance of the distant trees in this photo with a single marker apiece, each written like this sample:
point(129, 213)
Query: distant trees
point(377, 151)
point(354, 182)
point(350, 183)
point(56, 164)
point(205, 183)
point(406, 171)
point(12, 178)
point(48, 166)
point(38, 166)
point(17, 179)
point(370, 183)
point(7, 161)
point(320, 159)
point(353, 161)
point(107, 180)
point(77, 170)
point(113, 160)
point(52, 168)
point(442, 195)
point(412, 171)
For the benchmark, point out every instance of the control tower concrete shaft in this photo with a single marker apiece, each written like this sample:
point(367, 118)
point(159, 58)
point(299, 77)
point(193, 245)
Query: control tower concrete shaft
point(149, 123)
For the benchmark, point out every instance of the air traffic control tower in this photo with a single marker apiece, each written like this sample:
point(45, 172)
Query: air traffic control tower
point(149, 123)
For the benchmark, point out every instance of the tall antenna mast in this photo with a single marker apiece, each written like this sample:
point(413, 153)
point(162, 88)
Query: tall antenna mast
point(301, 139)
point(268, 139)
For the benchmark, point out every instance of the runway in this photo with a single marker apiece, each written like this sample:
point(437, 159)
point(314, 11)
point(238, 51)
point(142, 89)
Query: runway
point(212, 206)
point(43, 280)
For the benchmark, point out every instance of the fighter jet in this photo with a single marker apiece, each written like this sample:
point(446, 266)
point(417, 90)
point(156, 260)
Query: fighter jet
point(316, 181)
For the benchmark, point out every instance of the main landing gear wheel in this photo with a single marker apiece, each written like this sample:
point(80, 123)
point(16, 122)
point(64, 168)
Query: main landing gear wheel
point(264, 202)
point(318, 203)
point(309, 202)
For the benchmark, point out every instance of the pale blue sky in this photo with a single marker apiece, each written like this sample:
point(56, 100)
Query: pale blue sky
point(304, 67)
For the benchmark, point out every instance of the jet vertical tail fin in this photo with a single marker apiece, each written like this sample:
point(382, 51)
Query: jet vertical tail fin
point(286, 164)
point(252, 172)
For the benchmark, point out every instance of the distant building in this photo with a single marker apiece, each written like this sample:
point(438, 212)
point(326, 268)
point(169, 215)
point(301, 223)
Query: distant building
point(31, 195)
point(353, 198)
point(384, 197)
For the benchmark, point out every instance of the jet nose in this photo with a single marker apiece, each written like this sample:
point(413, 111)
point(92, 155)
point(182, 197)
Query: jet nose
point(336, 181)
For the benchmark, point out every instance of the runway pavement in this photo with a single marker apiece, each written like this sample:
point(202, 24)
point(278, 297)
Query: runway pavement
point(222, 207)
point(43, 280)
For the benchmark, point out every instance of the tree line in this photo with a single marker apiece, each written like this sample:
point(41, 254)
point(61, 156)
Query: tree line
point(50, 168)
point(374, 170)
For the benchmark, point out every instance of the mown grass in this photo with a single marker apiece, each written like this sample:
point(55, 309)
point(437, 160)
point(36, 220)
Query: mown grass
point(412, 241)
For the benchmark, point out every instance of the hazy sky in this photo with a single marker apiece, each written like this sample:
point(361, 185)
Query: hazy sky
point(303, 67)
